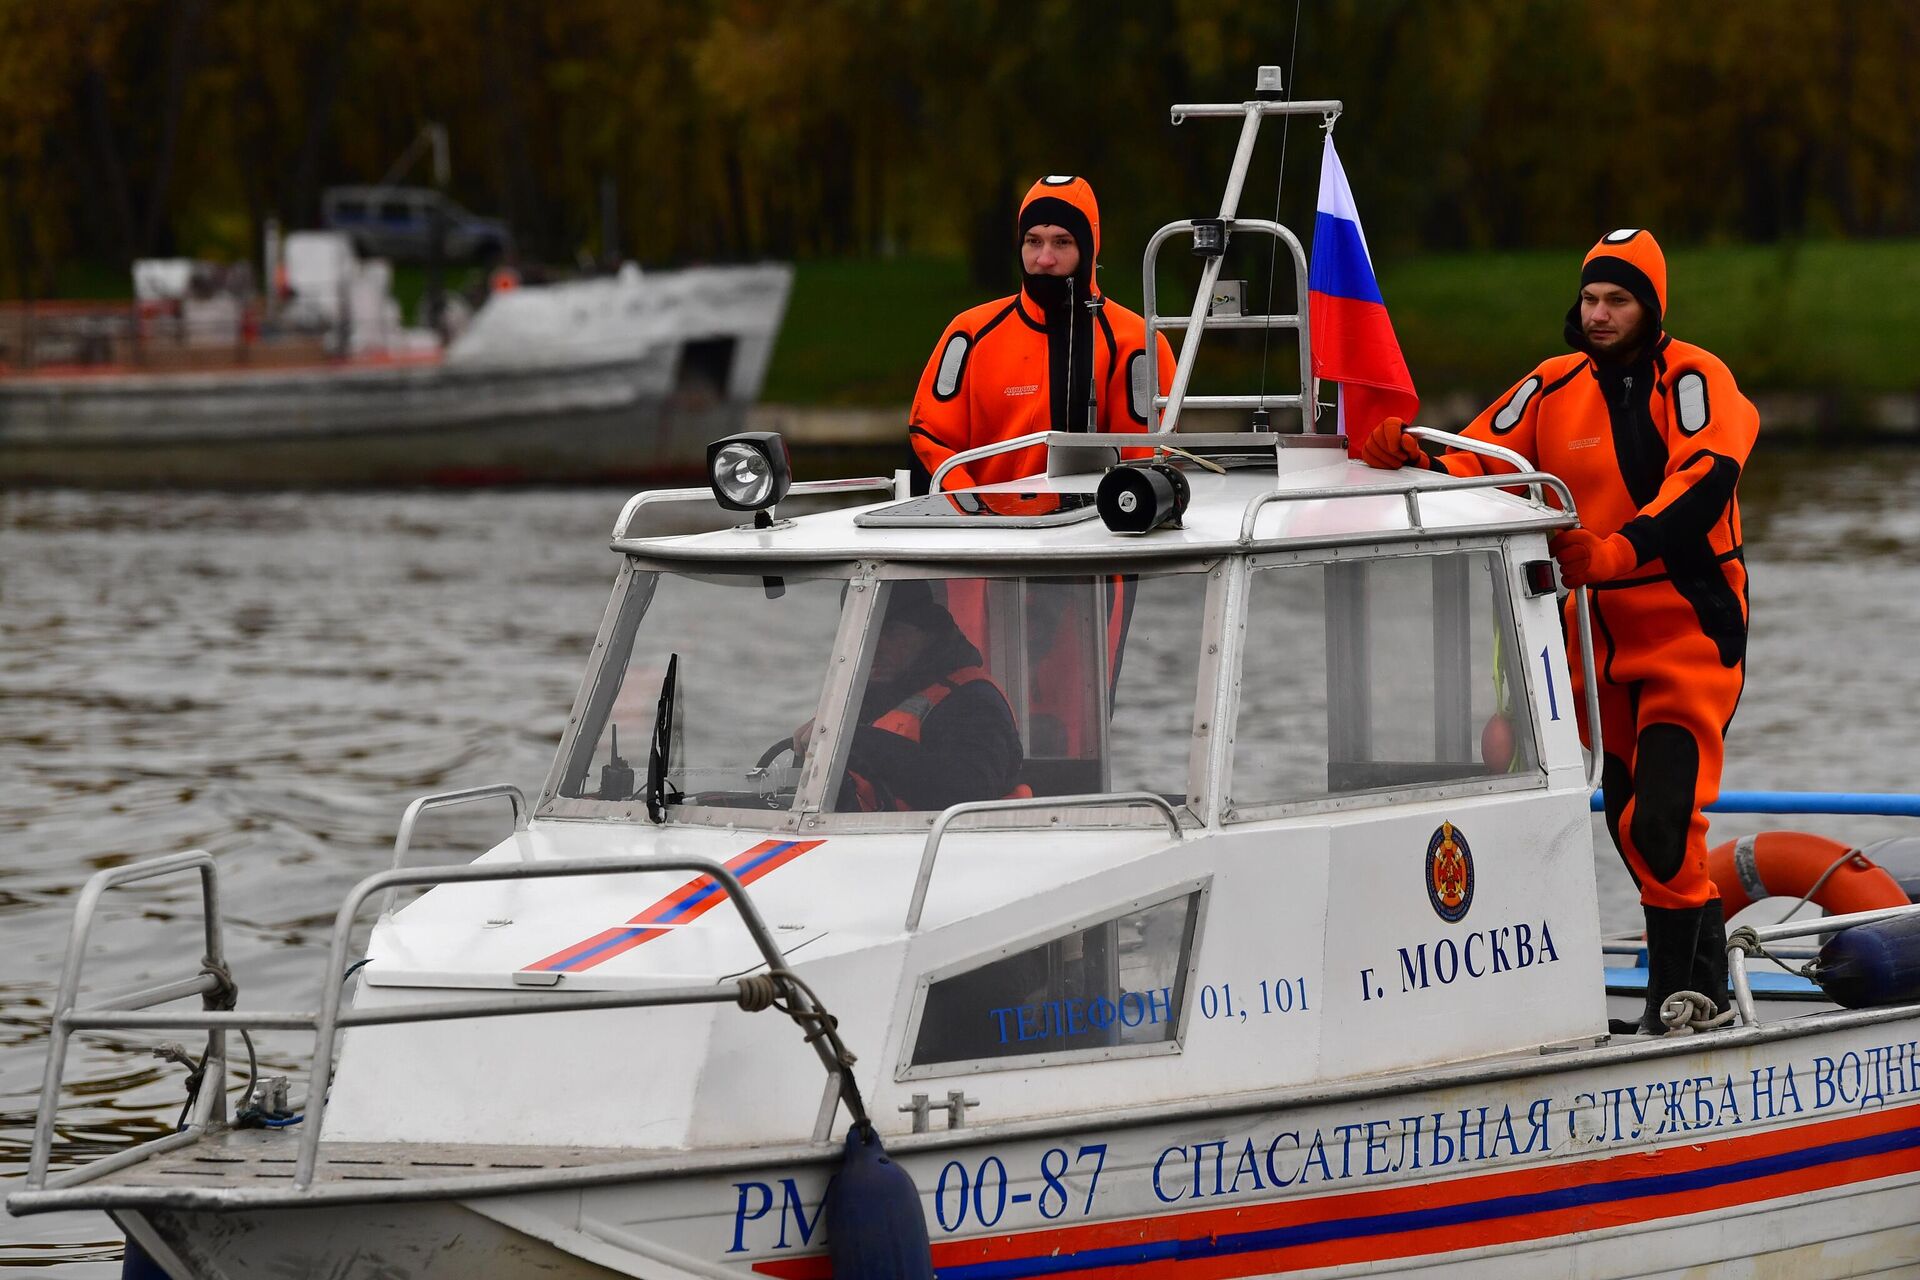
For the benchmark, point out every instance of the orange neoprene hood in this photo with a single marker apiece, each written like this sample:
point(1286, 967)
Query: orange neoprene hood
point(1062, 201)
point(1630, 258)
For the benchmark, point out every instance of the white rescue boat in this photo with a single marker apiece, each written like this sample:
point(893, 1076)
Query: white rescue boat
point(1274, 959)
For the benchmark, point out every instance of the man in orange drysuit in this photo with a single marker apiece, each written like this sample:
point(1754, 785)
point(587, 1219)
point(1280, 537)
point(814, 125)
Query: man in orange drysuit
point(1022, 364)
point(1650, 435)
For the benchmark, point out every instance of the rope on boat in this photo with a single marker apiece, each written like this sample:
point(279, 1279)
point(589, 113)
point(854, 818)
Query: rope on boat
point(227, 995)
point(1745, 938)
point(775, 989)
point(1693, 1011)
point(173, 1051)
point(1849, 856)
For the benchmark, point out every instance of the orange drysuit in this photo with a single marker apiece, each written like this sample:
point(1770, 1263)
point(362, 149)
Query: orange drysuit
point(1021, 364)
point(1652, 451)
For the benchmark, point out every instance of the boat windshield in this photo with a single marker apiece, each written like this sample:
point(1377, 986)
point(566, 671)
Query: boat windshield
point(747, 657)
point(975, 688)
point(1000, 688)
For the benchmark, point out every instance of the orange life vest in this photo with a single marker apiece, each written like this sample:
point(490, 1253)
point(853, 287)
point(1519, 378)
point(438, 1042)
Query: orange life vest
point(908, 719)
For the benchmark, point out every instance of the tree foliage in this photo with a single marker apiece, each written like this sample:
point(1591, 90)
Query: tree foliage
point(737, 128)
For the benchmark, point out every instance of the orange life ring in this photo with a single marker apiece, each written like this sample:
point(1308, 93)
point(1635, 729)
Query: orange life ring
point(1789, 863)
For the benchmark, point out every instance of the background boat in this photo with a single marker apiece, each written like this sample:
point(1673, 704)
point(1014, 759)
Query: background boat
point(616, 378)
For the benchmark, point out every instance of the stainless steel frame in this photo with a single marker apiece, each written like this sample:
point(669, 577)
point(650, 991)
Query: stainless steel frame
point(622, 526)
point(1104, 447)
point(124, 1013)
point(1198, 321)
point(1250, 114)
point(1010, 445)
point(931, 850)
point(403, 839)
point(212, 1098)
point(1741, 940)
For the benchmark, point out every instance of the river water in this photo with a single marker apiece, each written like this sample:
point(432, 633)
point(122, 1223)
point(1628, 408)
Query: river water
point(272, 678)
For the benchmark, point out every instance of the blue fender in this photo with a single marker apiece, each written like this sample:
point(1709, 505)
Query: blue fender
point(138, 1264)
point(875, 1227)
point(1872, 965)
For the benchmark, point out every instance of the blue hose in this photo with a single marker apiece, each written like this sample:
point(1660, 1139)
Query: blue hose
point(1853, 803)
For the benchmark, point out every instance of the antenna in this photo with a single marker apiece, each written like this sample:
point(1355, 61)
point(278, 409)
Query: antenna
point(1309, 413)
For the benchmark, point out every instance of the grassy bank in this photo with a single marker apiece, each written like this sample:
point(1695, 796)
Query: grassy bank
point(1823, 317)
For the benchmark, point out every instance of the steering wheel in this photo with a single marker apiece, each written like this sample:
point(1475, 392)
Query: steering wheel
point(772, 753)
point(778, 798)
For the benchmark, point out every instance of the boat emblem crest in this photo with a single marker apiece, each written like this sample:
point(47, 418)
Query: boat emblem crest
point(1449, 873)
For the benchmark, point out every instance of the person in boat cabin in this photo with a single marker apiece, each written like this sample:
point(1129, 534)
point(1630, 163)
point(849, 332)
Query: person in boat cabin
point(935, 729)
point(1025, 363)
point(1650, 435)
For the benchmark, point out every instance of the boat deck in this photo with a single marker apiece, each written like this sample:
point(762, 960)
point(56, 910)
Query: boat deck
point(232, 1167)
point(237, 1157)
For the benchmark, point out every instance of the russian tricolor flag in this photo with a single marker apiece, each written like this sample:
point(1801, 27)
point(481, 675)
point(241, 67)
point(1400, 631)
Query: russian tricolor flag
point(1353, 342)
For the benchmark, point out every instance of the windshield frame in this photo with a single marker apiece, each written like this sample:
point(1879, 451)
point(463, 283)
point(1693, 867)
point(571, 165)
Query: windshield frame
point(626, 613)
point(846, 663)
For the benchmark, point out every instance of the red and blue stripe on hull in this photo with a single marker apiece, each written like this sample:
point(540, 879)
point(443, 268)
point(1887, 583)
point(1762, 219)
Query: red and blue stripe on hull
point(1423, 1219)
point(689, 902)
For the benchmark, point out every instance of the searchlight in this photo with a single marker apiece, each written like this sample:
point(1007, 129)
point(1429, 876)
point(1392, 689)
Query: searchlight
point(749, 471)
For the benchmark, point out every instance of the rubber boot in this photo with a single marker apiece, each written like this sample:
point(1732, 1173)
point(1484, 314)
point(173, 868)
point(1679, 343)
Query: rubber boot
point(1673, 944)
point(1710, 957)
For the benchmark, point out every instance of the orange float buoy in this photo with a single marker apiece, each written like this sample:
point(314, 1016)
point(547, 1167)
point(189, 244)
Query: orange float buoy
point(1790, 864)
point(1497, 741)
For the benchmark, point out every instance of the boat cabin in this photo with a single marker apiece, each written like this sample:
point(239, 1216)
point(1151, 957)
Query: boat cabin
point(1284, 791)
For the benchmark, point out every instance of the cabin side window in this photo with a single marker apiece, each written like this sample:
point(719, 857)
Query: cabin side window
point(1366, 675)
point(1115, 985)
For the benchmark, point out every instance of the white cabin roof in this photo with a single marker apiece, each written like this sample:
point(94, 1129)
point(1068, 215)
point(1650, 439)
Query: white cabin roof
point(1313, 514)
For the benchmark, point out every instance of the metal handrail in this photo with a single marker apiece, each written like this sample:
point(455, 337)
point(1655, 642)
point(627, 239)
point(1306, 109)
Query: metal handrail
point(924, 877)
point(1486, 449)
point(1197, 321)
point(214, 1064)
point(800, 488)
point(1408, 489)
point(1065, 441)
point(330, 1019)
point(1327, 107)
point(326, 1027)
point(984, 451)
point(1738, 942)
point(1250, 113)
point(403, 839)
